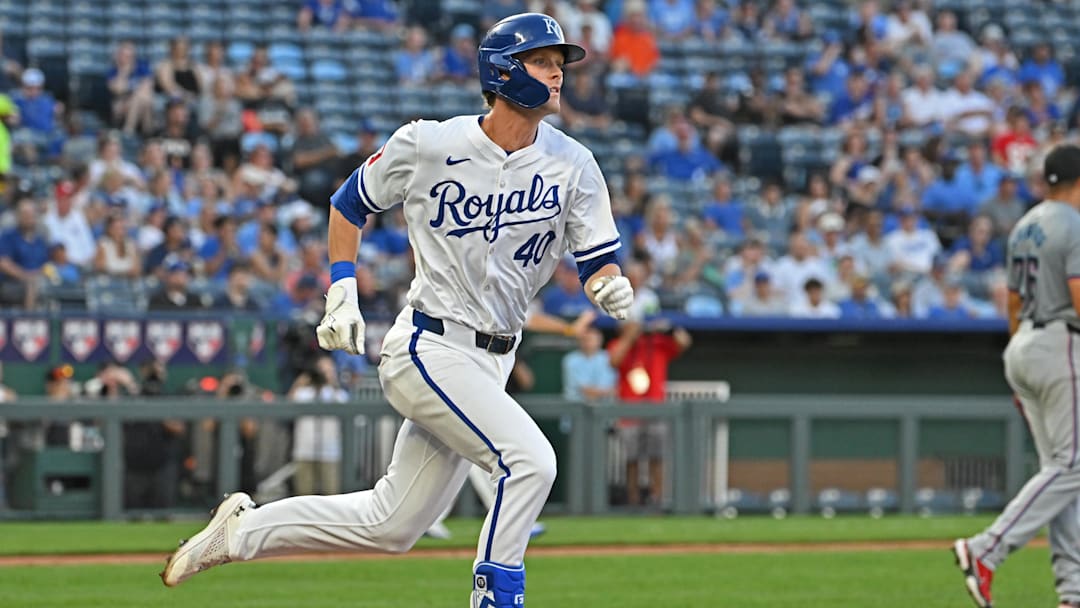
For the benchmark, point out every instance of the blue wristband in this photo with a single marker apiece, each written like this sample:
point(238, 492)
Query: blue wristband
point(342, 270)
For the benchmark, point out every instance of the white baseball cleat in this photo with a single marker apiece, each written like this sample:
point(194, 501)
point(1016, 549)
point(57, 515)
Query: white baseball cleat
point(438, 530)
point(210, 547)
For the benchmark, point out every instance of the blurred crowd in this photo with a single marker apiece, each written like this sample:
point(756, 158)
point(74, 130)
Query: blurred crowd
point(206, 184)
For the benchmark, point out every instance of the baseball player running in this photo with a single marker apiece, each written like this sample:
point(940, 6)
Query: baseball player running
point(1041, 367)
point(492, 202)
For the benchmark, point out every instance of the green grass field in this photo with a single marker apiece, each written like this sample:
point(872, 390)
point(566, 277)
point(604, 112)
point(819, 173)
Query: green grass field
point(845, 579)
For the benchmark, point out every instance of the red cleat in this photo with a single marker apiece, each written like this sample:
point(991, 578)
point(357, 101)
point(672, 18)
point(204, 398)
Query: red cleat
point(977, 577)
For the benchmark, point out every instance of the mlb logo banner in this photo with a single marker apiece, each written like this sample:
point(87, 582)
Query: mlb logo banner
point(30, 339)
point(81, 339)
point(123, 338)
point(164, 339)
point(206, 340)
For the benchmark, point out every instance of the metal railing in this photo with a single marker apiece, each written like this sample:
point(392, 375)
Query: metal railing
point(692, 423)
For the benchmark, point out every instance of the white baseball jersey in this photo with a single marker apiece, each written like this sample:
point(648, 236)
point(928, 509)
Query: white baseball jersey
point(487, 228)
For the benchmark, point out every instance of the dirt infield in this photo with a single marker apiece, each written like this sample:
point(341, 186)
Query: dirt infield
point(560, 551)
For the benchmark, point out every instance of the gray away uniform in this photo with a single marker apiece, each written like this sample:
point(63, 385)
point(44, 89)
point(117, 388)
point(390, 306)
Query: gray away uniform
point(1041, 367)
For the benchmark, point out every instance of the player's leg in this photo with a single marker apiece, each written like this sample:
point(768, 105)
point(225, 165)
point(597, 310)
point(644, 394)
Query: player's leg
point(424, 475)
point(1045, 380)
point(471, 412)
point(483, 485)
point(1065, 554)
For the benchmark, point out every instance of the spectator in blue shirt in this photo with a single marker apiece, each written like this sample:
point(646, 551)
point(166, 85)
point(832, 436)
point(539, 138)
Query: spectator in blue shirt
point(946, 197)
point(587, 371)
point(329, 14)
point(782, 21)
point(978, 175)
point(689, 161)
point(414, 63)
point(978, 254)
point(827, 70)
point(1040, 110)
point(221, 250)
point(859, 305)
point(307, 294)
point(459, 57)
point(1043, 68)
point(674, 19)
point(724, 212)
point(372, 14)
point(23, 251)
point(37, 107)
point(391, 237)
point(59, 269)
point(953, 307)
point(710, 20)
point(856, 103)
point(565, 298)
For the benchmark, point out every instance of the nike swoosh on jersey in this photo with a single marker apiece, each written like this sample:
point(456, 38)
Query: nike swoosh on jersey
point(450, 161)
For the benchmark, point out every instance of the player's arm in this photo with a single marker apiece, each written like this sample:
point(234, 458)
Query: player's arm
point(593, 240)
point(342, 326)
point(541, 322)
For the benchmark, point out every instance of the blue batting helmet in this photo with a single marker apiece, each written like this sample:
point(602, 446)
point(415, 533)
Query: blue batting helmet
point(514, 35)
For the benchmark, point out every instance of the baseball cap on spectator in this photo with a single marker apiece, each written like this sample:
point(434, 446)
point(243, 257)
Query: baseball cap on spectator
point(55, 245)
point(993, 31)
point(762, 277)
point(907, 210)
point(940, 260)
point(830, 222)
point(33, 77)
point(1062, 164)
point(176, 264)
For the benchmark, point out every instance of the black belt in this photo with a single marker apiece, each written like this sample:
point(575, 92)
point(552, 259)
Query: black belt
point(488, 342)
point(1043, 324)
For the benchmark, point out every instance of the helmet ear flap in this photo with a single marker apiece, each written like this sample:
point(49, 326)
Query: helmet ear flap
point(519, 87)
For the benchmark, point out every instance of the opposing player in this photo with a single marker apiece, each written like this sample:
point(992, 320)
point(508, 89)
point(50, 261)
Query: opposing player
point(1041, 367)
point(491, 202)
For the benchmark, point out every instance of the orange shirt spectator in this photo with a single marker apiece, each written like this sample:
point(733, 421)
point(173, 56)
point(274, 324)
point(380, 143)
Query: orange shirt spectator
point(634, 43)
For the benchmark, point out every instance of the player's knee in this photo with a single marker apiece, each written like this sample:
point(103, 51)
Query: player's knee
point(399, 540)
point(544, 465)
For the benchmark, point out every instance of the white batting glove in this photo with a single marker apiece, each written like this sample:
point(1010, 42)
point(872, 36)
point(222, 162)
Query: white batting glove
point(342, 327)
point(614, 295)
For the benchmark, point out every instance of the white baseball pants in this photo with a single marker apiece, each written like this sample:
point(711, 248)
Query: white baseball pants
point(457, 412)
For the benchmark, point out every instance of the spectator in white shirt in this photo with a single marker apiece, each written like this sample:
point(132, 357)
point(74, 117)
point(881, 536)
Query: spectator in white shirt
point(317, 439)
point(67, 225)
point(921, 99)
point(588, 14)
point(800, 264)
point(907, 29)
point(762, 301)
point(965, 109)
point(950, 45)
point(911, 248)
point(814, 305)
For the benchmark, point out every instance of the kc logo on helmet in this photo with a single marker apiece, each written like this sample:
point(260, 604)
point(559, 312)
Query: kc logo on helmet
point(30, 337)
point(553, 27)
point(205, 339)
point(163, 338)
point(81, 337)
point(122, 339)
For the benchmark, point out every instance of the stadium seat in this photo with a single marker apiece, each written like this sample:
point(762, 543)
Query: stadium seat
point(240, 52)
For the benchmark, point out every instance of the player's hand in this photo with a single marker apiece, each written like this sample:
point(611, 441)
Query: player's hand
point(614, 295)
point(342, 327)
